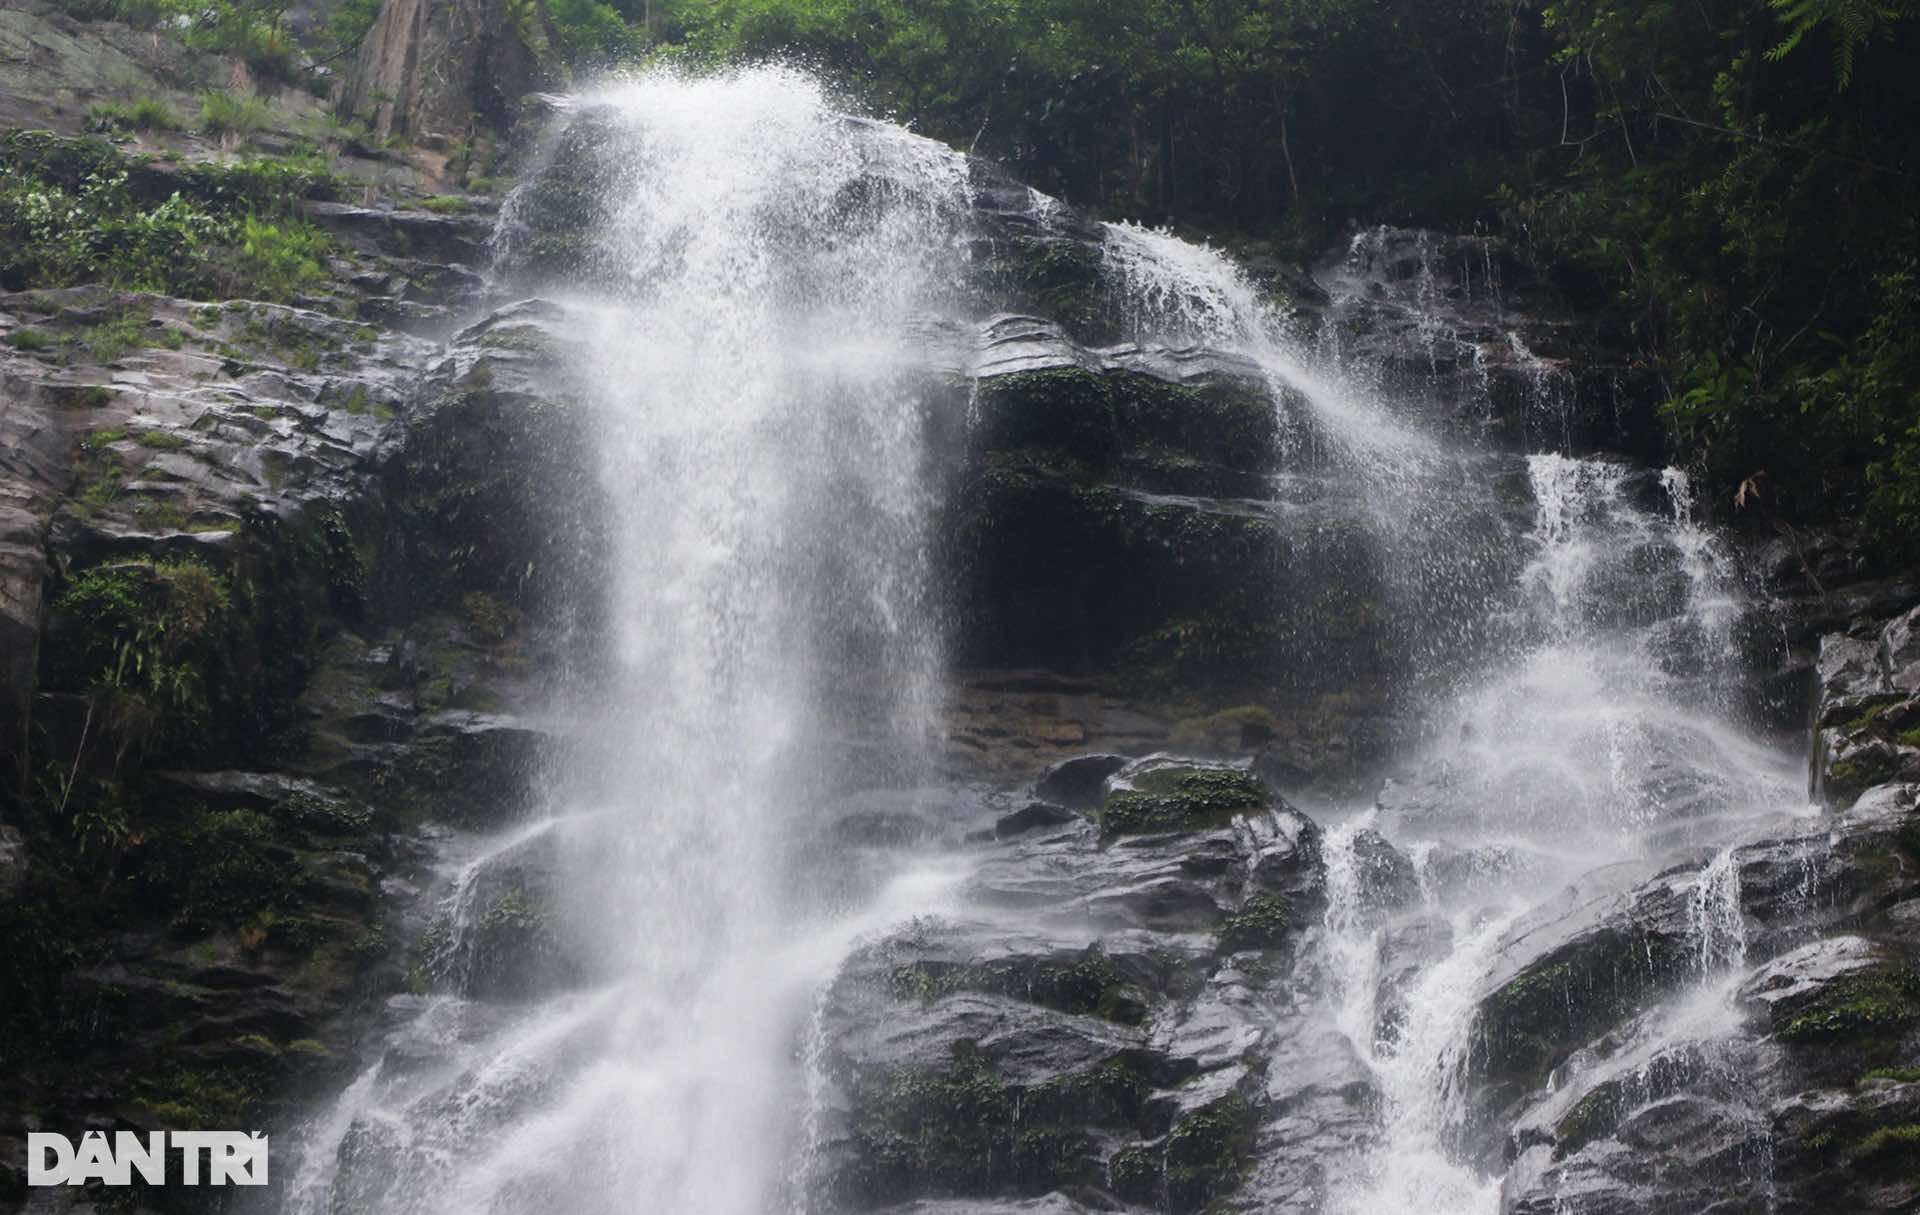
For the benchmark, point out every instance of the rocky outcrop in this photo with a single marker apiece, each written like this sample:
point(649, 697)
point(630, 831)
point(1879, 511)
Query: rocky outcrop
point(1641, 1066)
point(440, 74)
point(1136, 1037)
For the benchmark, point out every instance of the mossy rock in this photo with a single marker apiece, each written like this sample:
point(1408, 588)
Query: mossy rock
point(1562, 1000)
point(1062, 279)
point(1118, 421)
point(1180, 798)
point(1878, 1004)
point(1088, 986)
point(1207, 1153)
point(961, 1130)
point(1265, 922)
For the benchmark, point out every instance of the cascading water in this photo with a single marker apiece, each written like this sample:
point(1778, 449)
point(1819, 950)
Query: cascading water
point(773, 630)
point(1590, 723)
point(766, 277)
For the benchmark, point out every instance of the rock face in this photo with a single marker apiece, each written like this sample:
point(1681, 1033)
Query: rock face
point(1603, 1085)
point(271, 651)
point(439, 73)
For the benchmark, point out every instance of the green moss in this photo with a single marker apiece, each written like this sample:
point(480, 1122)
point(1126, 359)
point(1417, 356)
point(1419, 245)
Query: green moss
point(370, 948)
point(162, 440)
point(202, 1099)
point(1889, 1141)
point(446, 204)
point(1063, 280)
point(962, 1130)
point(1263, 923)
point(1135, 1173)
point(29, 339)
point(1527, 1025)
point(1088, 417)
point(1207, 1153)
point(1088, 987)
point(1181, 799)
point(518, 337)
point(490, 617)
point(1869, 1005)
point(159, 514)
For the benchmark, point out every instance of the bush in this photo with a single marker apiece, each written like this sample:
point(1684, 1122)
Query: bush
point(77, 211)
point(145, 114)
point(223, 113)
point(279, 259)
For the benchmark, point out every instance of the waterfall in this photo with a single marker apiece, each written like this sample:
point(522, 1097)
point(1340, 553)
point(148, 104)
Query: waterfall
point(753, 311)
point(1590, 721)
point(773, 640)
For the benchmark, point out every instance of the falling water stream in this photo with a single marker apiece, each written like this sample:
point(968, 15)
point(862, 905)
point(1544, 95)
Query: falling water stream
point(774, 618)
point(1593, 727)
point(772, 623)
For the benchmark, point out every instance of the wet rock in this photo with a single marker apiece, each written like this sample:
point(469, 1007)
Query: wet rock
point(1867, 720)
point(13, 861)
point(1385, 879)
point(1033, 816)
point(1079, 783)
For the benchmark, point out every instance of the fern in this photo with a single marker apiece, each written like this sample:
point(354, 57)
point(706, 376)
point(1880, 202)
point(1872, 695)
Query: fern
point(1850, 24)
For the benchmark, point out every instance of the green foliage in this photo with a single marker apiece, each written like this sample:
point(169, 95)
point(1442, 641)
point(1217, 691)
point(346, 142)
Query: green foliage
point(77, 211)
point(1848, 24)
point(589, 34)
point(1238, 110)
point(335, 556)
point(1206, 1153)
point(29, 340)
point(347, 26)
point(143, 114)
point(111, 338)
point(226, 113)
point(278, 259)
point(1901, 1139)
point(253, 30)
point(1699, 215)
point(141, 635)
